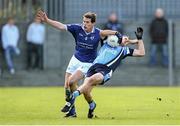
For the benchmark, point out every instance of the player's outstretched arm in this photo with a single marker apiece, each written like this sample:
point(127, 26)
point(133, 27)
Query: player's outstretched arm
point(132, 41)
point(43, 17)
point(105, 33)
point(140, 51)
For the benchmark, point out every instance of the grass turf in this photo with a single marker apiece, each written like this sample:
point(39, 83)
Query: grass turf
point(115, 105)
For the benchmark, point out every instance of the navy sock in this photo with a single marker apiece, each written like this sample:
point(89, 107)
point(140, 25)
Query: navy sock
point(91, 105)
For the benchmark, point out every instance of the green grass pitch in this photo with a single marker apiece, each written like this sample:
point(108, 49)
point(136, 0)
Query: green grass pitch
point(115, 105)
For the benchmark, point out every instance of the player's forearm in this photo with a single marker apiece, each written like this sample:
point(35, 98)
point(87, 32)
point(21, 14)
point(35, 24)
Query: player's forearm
point(133, 41)
point(105, 33)
point(56, 24)
point(141, 48)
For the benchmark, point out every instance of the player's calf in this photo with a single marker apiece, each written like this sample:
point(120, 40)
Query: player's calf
point(92, 106)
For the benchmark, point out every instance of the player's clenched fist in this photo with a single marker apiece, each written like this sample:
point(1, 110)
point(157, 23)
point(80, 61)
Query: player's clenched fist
point(139, 33)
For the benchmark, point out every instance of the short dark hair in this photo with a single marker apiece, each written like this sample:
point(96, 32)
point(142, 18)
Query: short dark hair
point(91, 16)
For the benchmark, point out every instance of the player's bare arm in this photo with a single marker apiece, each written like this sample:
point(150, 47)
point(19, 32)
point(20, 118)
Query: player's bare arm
point(126, 41)
point(105, 33)
point(140, 50)
point(132, 41)
point(44, 18)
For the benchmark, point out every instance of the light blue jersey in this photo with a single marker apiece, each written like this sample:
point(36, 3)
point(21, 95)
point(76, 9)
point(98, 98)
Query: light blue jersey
point(112, 56)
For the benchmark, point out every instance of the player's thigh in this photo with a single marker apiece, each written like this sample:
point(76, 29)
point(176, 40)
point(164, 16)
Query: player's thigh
point(73, 65)
point(71, 68)
point(80, 72)
point(84, 67)
point(90, 82)
point(95, 79)
point(75, 77)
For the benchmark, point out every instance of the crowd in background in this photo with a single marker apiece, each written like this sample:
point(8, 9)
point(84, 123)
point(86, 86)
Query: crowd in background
point(35, 38)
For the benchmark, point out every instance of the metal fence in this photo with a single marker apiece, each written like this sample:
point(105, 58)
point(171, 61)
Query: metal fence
point(23, 10)
point(72, 10)
point(55, 9)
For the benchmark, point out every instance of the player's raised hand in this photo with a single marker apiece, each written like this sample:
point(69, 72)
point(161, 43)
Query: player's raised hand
point(139, 33)
point(42, 16)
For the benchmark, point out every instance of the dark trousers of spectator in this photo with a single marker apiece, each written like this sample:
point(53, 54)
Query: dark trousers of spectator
point(0, 71)
point(34, 56)
point(164, 50)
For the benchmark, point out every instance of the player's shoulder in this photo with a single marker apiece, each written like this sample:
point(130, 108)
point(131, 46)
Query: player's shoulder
point(74, 24)
point(125, 48)
point(97, 29)
point(128, 50)
point(73, 27)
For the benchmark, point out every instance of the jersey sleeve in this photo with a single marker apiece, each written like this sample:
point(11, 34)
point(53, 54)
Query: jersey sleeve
point(72, 27)
point(103, 40)
point(127, 52)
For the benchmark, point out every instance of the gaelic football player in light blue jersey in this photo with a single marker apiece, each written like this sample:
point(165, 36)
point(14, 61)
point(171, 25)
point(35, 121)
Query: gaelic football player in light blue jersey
point(104, 65)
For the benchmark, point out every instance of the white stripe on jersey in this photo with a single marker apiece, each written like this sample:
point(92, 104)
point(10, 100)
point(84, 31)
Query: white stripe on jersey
point(116, 58)
point(65, 27)
point(127, 50)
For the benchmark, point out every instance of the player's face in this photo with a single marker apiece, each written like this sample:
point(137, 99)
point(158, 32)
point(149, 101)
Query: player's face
point(125, 41)
point(87, 24)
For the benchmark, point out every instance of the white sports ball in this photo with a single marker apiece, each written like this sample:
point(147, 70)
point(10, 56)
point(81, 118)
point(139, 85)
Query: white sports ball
point(112, 40)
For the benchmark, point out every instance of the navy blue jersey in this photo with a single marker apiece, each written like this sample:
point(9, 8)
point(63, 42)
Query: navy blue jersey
point(112, 56)
point(86, 43)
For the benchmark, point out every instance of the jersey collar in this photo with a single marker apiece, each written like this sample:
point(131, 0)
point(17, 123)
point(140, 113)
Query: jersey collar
point(87, 33)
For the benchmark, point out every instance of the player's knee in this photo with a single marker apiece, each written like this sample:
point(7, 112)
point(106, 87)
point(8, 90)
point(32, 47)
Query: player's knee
point(90, 81)
point(71, 81)
point(66, 85)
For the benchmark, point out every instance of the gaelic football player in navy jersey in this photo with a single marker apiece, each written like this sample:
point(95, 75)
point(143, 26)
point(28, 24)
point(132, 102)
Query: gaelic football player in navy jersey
point(87, 38)
point(105, 63)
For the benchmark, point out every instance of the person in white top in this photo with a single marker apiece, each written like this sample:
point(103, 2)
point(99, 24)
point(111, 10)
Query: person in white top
point(10, 37)
point(35, 38)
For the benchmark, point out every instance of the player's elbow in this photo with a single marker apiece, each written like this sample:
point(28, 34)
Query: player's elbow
point(142, 53)
point(139, 52)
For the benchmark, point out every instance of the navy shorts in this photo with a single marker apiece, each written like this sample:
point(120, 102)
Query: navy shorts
point(100, 68)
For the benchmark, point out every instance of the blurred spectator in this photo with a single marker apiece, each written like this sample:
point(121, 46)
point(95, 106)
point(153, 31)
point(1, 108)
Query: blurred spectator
point(0, 71)
point(10, 37)
point(113, 23)
point(159, 35)
point(0, 52)
point(35, 39)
